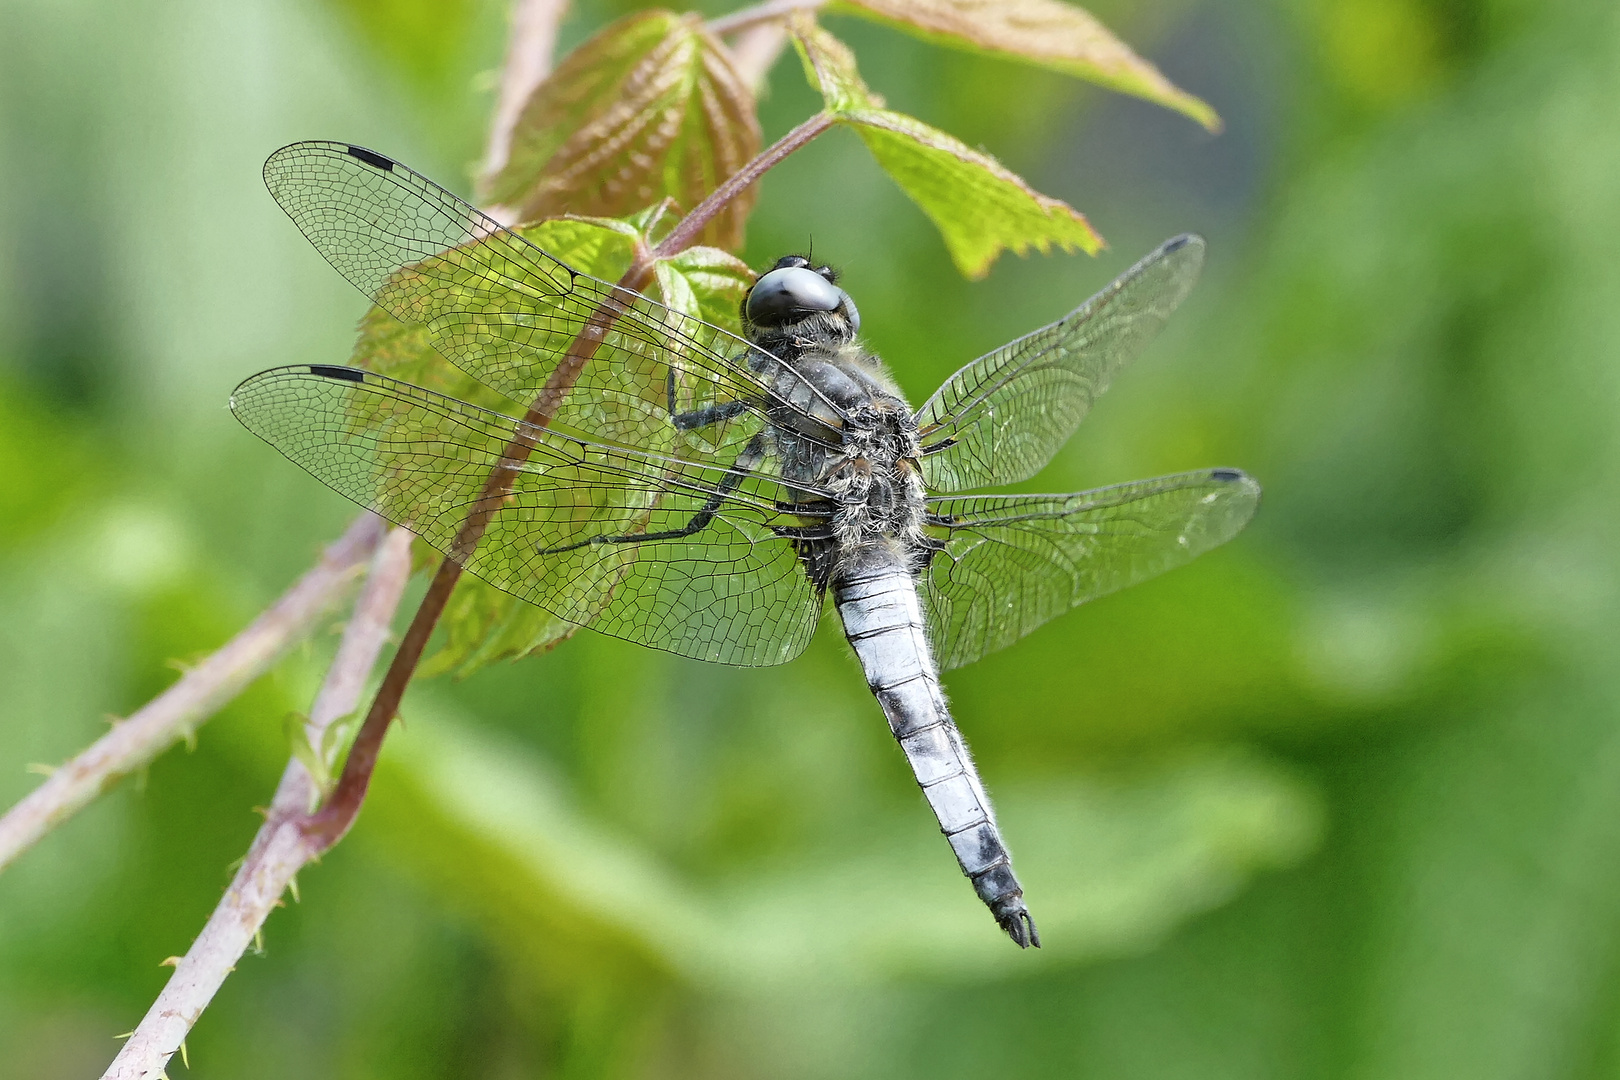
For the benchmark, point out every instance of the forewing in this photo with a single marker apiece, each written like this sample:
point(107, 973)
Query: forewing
point(1001, 418)
point(505, 311)
point(1011, 562)
point(732, 593)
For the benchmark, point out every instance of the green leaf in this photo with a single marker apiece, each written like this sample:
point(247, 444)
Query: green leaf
point(336, 740)
point(708, 283)
point(601, 247)
point(1045, 33)
point(980, 207)
point(649, 108)
point(322, 762)
point(295, 726)
point(482, 624)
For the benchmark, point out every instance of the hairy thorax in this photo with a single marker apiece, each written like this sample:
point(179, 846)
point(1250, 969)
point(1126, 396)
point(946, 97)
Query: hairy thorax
point(869, 462)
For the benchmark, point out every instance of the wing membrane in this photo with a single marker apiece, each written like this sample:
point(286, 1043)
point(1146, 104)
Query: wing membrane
point(1011, 562)
point(1001, 418)
point(732, 593)
point(504, 310)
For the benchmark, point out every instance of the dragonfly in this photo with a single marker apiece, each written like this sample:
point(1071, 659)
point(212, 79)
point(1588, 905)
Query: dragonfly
point(665, 481)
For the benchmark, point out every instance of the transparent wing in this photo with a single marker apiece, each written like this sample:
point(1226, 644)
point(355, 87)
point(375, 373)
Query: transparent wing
point(731, 591)
point(1011, 562)
point(1001, 418)
point(506, 312)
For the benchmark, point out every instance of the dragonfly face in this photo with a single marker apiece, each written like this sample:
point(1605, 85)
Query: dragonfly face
point(791, 290)
point(664, 481)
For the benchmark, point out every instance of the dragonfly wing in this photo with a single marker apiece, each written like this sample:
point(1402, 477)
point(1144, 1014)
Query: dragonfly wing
point(504, 310)
point(731, 592)
point(1001, 418)
point(1012, 562)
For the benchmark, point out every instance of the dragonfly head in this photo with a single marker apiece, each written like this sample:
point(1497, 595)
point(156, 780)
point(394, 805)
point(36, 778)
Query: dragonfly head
point(792, 291)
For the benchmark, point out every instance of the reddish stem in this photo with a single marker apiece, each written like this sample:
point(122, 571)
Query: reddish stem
point(329, 825)
point(691, 226)
point(334, 819)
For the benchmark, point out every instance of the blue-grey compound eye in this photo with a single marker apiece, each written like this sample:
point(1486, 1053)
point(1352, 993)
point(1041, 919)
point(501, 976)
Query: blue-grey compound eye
point(792, 290)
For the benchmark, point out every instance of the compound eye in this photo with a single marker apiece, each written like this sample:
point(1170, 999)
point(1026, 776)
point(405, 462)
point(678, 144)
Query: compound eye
point(791, 291)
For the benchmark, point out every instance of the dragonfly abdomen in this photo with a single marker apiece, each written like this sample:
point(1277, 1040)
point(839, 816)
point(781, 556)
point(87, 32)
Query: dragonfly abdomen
point(877, 600)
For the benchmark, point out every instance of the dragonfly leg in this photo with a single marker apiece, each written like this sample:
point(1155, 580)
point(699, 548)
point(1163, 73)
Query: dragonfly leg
point(746, 462)
point(804, 532)
point(814, 508)
point(709, 414)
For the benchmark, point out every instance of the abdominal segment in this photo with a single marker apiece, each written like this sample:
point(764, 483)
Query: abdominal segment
point(877, 600)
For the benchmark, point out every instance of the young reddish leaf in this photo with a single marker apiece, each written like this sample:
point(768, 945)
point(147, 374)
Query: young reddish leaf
point(1042, 32)
point(980, 207)
point(650, 108)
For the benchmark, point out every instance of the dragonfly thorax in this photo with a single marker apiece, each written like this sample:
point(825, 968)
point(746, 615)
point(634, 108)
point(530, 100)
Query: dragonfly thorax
point(876, 482)
point(869, 462)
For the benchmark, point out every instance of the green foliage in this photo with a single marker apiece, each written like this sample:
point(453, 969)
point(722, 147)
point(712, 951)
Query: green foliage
point(482, 623)
point(979, 207)
point(651, 108)
point(1336, 801)
point(1045, 33)
point(324, 760)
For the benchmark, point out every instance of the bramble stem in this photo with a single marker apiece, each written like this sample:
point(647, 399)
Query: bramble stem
point(175, 713)
point(280, 849)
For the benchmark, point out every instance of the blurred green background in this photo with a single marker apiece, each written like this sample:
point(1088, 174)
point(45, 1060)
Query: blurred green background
point(1341, 799)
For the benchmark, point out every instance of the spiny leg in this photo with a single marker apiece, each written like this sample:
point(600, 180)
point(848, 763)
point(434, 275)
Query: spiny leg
point(709, 414)
point(747, 461)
